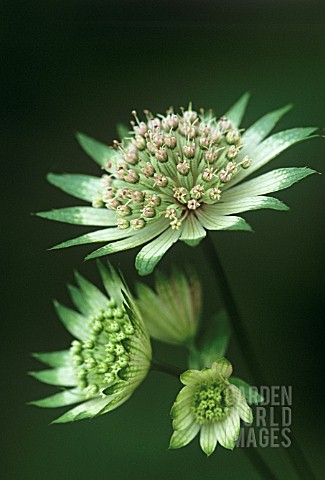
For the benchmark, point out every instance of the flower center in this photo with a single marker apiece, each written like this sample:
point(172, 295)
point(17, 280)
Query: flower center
point(211, 402)
point(102, 359)
point(175, 163)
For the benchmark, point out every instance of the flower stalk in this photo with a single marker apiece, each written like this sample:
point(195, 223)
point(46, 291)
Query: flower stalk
point(166, 368)
point(294, 453)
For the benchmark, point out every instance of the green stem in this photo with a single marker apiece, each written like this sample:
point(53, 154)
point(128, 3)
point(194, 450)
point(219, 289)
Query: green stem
point(294, 453)
point(259, 464)
point(166, 368)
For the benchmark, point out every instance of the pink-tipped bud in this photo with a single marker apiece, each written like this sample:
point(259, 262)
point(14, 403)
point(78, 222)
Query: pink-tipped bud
point(233, 137)
point(224, 123)
point(153, 200)
point(208, 174)
point(131, 156)
point(246, 162)
point(131, 177)
point(183, 168)
point(197, 191)
point(148, 170)
point(231, 167)
point(224, 176)
point(123, 223)
point(189, 130)
point(114, 203)
point(154, 123)
point(141, 129)
point(136, 196)
point(151, 148)
point(158, 139)
point(138, 223)
point(120, 172)
point(189, 150)
point(190, 116)
point(204, 129)
point(232, 152)
point(124, 210)
point(139, 142)
point(109, 193)
point(170, 141)
point(162, 155)
point(149, 212)
point(211, 156)
point(205, 142)
point(123, 193)
point(161, 180)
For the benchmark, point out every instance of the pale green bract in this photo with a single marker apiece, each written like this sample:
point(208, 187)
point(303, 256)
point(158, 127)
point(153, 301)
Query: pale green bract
point(171, 311)
point(210, 405)
point(174, 177)
point(110, 356)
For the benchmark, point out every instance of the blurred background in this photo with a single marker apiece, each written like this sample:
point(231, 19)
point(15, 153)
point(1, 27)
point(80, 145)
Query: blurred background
point(84, 65)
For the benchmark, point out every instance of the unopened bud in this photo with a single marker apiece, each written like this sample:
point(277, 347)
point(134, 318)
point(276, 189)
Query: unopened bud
point(233, 137)
point(162, 155)
point(153, 200)
point(123, 223)
point(161, 180)
point(224, 176)
point(140, 129)
point(148, 170)
point(232, 152)
point(183, 168)
point(224, 123)
point(124, 210)
point(211, 156)
point(170, 141)
point(148, 212)
point(246, 162)
point(189, 150)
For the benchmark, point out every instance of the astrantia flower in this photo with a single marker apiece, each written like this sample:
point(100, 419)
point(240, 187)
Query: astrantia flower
point(173, 177)
point(211, 405)
point(172, 312)
point(110, 356)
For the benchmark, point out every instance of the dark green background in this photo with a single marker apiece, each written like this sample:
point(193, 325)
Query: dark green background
point(84, 65)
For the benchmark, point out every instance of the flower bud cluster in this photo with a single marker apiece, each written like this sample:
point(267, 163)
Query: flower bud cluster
point(211, 402)
point(183, 158)
point(103, 358)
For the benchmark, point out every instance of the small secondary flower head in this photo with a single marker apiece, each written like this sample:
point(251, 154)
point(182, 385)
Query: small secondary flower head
point(110, 356)
point(211, 405)
point(171, 311)
point(173, 176)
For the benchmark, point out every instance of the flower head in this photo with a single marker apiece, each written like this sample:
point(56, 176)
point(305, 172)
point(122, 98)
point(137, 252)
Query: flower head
point(174, 176)
point(210, 404)
point(172, 311)
point(110, 356)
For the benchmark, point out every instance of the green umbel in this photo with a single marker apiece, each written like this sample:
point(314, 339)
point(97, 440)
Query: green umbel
point(110, 356)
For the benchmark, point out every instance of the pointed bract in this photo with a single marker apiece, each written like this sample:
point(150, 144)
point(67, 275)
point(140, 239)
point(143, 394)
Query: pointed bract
point(172, 311)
